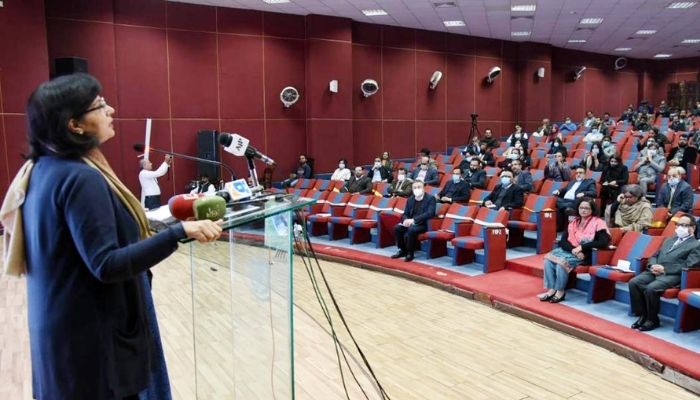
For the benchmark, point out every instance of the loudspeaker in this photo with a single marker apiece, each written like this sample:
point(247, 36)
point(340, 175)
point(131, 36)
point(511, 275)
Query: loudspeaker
point(208, 148)
point(69, 65)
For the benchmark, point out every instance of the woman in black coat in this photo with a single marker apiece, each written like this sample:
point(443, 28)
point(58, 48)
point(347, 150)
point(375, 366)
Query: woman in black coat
point(83, 241)
point(614, 176)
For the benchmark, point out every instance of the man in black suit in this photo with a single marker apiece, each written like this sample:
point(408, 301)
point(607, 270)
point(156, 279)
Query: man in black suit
point(663, 272)
point(576, 189)
point(683, 154)
point(358, 183)
point(506, 195)
point(414, 221)
point(456, 189)
point(379, 173)
point(401, 186)
point(473, 174)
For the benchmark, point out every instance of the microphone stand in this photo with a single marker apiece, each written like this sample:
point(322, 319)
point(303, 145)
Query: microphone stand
point(253, 173)
point(203, 160)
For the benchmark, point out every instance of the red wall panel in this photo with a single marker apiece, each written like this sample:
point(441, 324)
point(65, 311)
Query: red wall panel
point(241, 76)
point(457, 132)
point(431, 41)
point(400, 138)
point(394, 36)
point(140, 12)
point(629, 91)
point(328, 60)
point(325, 27)
point(329, 140)
point(142, 85)
point(510, 95)
point(16, 128)
point(432, 135)
point(89, 10)
point(286, 139)
point(284, 66)
point(430, 104)
point(369, 34)
point(247, 22)
point(488, 95)
point(191, 17)
point(594, 91)
point(366, 64)
point(459, 83)
point(398, 83)
point(253, 130)
point(184, 139)
point(284, 25)
point(367, 142)
point(5, 176)
point(193, 74)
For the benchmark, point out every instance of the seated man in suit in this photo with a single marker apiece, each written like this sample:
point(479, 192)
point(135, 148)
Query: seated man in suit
point(473, 174)
point(522, 179)
point(576, 189)
point(401, 186)
point(557, 169)
point(682, 154)
point(379, 173)
point(419, 209)
point(358, 183)
point(457, 189)
point(424, 172)
point(506, 195)
point(491, 142)
point(676, 194)
point(663, 272)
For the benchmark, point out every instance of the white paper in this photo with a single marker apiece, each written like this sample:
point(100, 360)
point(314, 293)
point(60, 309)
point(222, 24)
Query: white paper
point(623, 265)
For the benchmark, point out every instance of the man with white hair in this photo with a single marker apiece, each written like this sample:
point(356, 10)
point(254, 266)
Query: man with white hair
point(150, 191)
point(676, 194)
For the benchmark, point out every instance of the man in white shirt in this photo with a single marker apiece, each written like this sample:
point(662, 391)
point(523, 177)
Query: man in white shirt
point(150, 191)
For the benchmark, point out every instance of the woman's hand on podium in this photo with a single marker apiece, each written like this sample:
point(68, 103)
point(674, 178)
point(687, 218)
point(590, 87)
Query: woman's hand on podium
point(203, 231)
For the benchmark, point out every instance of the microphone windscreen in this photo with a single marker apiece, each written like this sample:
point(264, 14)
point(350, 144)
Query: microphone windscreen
point(224, 195)
point(210, 207)
point(139, 147)
point(181, 206)
point(225, 139)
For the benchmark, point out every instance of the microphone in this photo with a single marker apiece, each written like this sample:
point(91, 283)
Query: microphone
point(209, 207)
point(240, 146)
point(181, 206)
point(139, 147)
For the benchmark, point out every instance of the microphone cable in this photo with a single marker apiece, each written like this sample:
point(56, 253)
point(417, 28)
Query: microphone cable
point(308, 256)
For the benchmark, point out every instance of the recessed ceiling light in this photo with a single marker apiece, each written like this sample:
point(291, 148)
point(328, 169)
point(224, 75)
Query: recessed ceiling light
point(591, 21)
point(520, 34)
point(645, 32)
point(276, 1)
point(523, 7)
point(375, 12)
point(662, 55)
point(623, 49)
point(453, 23)
point(577, 40)
point(444, 4)
point(683, 4)
point(690, 41)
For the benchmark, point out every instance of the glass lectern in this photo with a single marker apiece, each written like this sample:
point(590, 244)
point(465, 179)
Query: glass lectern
point(242, 304)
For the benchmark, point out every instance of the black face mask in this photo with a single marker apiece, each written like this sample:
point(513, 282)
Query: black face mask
point(473, 169)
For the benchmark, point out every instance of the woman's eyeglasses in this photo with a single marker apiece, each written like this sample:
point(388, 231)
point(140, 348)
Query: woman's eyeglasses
point(101, 104)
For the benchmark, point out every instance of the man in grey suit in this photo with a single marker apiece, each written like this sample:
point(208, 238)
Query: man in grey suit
point(664, 271)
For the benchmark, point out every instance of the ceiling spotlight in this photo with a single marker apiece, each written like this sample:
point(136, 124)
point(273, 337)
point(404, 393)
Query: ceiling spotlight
point(524, 7)
point(524, 33)
point(690, 41)
point(662, 55)
point(453, 23)
point(682, 4)
point(591, 21)
point(645, 32)
point(276, 1)
point(444, 4)
point(623, 49)
point(577, 40)
point(375, 12)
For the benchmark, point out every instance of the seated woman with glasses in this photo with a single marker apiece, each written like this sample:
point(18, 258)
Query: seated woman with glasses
point(632, 211)
point(583, 234)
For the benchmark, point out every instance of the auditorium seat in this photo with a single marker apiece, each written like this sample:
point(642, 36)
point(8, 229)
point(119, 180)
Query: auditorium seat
point(549, 186)
point(442, 230)
point(488, 232)
point(477, 196)
point(323, 184)
point(659, 220)
point(387, 221)
point(538, 215)
point(381, 189)
point(688, 312)
point(361, 227)
point(340, 218)
point(318, 221)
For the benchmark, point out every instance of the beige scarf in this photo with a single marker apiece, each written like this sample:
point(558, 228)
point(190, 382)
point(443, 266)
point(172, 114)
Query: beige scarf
point(636, 216)
point(14, 256)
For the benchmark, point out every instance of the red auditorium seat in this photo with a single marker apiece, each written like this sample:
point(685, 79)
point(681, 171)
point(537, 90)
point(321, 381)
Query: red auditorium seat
point(318, 220)
point(538, 215)
point(659, 220)
point(386, 222)
point(688, 313)
point(339, 219)
point(442, 230)
point(488, 232)
point(361, 227)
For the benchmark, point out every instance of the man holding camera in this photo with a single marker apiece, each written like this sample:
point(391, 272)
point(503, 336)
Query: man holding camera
point(150, 191)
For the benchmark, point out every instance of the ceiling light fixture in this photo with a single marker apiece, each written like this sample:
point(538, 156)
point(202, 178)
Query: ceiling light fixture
point(453, 23)
point(690, 41)
point(374, 12)
point(662, 55)
point(277, 1)
point(577, 40)
point(682, 4)
point(623, 49)
point(645, 32)
point(591, 21)
point(524, 7)
point(520, 33)
point(444, 4)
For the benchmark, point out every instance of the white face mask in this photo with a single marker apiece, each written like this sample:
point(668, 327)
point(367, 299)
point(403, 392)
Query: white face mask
point(682, 232)
point(377, 164)
point(594, 151)
point(514, 156)
point(401, 177)
point(418, 193)
point(556, 144)
point(341, 166)
point(505, 181)
point(456, 178)
point(651, 152)
point(673, 181)
point(517, 135)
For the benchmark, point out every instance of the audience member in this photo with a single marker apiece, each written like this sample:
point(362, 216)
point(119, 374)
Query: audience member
point(568, 126)
point(588, 120)
point(473, 147)
point(414, 221)
point(651, 163)
point(486, 157)
point(506, 195)
point(302, 171)
point(474, 175)
point(628, 115)
point(614, 176)
point(425, 152)
point(386, 162)
point(608, 121)
point(379, 173)
point(557, 169)
point(652, 136)
point(425, 173)
point(358, 183)
point(663, 272)
point(491, 142)
point(544, 129)
point(608, 147)
point(518, 136)
point(554, 133)
point(557, 146)
point(578, 188)
point(676, 194)
point(596, 133)
point(631, 211)
point(663, 110)
point(682, 154)
point(595, 159)
point(455, 190)
point(521, 179)
point(401, 186)
point(342, 173)
point(641, 123)
point(204, 186)
point(677, 125)
point(150, 191)
point(582, 235)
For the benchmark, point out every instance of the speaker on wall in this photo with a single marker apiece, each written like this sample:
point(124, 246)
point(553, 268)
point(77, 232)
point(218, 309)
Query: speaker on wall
point(69, 65)
point(208, 148)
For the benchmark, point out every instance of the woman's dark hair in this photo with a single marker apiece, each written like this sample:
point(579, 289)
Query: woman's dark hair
point(49, 109)
point(344, 161)
point(594, 208)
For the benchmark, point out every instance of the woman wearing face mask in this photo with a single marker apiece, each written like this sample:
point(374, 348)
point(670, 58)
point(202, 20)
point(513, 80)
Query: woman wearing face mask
point(557, 146)
point(631, 211)
point(518, 135)
point(386, 161)
point(608, 146)
point(554, 134)
point(595, 159)
point(517, 152)
point(613, 178)
point(582, 235)
point(342, 173)
point(651, 163)
point(84, 243)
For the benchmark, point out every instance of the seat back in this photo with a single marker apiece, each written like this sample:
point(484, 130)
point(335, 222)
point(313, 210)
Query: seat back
point(636, 245)
point(478, 195)
point(535, 204)
point(334, 199)
point(304, 183)
point(457, 213)
point(318, 195)
point(441, 209)
point(659, 217)
point(487, 218)
point(399, 206)
point(381, 189)
point(322, 184)
point(549, 186)
point(357, 202)
point(378, 205)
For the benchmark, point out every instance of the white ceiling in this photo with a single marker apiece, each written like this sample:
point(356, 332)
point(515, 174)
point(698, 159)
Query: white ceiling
point(554, 22)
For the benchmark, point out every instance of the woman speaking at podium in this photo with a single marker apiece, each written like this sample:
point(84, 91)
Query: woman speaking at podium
point(82, 239)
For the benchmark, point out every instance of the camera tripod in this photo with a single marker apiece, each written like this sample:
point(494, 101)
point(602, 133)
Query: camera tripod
point(474, 131)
